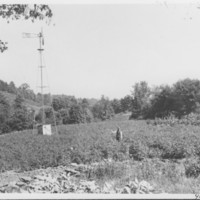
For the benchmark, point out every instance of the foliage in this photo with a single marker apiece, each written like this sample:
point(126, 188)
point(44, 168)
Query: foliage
point(21, 118)
point(3, 46)
point(187, 95)
point(126, 103)
point(172, 120)
point(162, 102)
point(47, 99)
point(103, 109)
point(23, 11)
point(67, 109)
point(192, 167)
point(50, 116)
point(64, 113)
point(19, 11)
point(138, 150)
point(106, 171)
point(4, 113)
point(88, 143)
point(79, 114)
point(117, 107)
point(63, 102)
point(11, 88)
point(181, 99)
point(141, 98)
point(25, 91)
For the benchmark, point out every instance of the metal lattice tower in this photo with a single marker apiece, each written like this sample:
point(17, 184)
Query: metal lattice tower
point(41, 65)
point(40, 36)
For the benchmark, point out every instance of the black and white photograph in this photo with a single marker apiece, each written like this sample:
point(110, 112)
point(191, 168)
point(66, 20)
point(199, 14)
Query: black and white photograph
point(100, 98)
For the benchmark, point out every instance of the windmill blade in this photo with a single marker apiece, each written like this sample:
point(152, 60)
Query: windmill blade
point(29, 35)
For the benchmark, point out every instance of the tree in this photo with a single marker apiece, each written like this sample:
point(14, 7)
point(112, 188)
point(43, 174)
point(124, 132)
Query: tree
point(3, 86)
point(126, 103)
point(4, 114)
point(56, 104)
point(79, 114)
point(162, 102)
point(51, 117)
point(22, 118)
point(141, 99)
point(187, 94)
point(116, 104)
point(85, 103)
point(12, 88)
point(23, 11)
point(64, 113)
point(63, 102)
point(76, 115)
point(103, 109)
point(26, 92)
point(18, 103)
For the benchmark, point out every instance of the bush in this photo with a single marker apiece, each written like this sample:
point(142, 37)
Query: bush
point(192, 167)
point(107, 171)
point(138, 150)
point(171, 120)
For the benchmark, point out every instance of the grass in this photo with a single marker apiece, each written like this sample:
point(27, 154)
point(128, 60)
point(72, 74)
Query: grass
point(165, 156)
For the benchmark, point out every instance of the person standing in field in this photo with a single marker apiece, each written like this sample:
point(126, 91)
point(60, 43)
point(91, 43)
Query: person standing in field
point(119, 135)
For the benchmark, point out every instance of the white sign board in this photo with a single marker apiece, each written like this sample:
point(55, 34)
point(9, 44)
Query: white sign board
point(46, 129)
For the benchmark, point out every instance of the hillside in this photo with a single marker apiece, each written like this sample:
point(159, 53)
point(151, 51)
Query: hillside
point(28, 103)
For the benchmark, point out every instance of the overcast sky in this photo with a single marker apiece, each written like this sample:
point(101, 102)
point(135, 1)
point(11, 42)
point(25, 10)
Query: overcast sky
point(94, 50)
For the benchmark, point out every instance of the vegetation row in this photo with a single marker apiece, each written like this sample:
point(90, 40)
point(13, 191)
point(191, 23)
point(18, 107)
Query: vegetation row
point(95, 142)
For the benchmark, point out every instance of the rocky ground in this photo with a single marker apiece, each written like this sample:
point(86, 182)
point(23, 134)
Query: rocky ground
point(64, 179)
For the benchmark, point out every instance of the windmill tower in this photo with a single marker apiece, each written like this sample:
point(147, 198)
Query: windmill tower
point(42, 128)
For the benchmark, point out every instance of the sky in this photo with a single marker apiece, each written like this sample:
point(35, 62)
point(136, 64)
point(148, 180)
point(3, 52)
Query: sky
point(104, 49)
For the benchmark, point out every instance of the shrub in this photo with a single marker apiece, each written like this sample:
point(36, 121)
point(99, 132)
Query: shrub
point(138, 150)
point(192, 167)
point(107, 171)
point(171, 120)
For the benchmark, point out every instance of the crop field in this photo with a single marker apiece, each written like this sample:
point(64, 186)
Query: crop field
point(167, 156)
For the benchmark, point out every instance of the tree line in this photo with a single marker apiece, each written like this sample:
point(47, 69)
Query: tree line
point(25, 112)
point(180, 99)
point(144, 102)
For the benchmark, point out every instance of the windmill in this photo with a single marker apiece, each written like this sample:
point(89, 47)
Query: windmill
point(43, 128)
